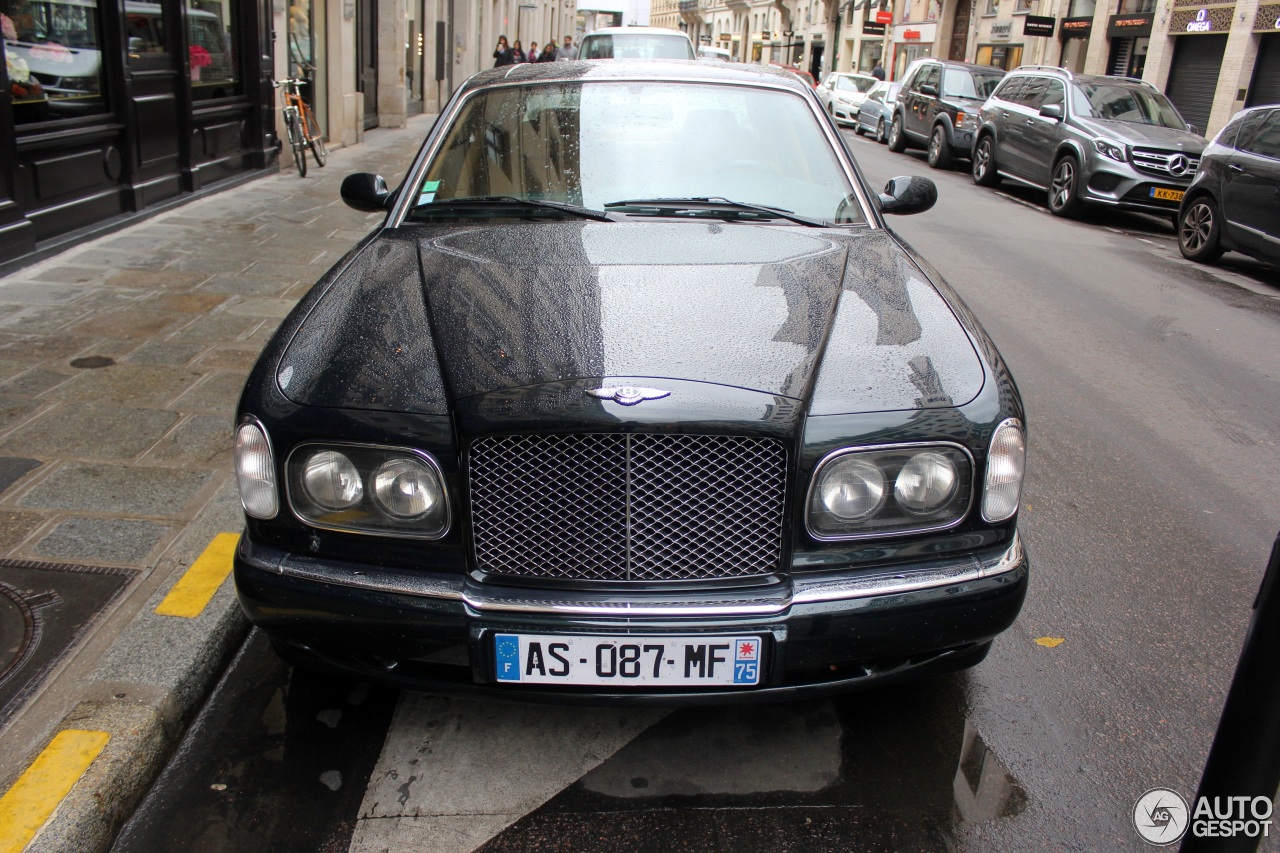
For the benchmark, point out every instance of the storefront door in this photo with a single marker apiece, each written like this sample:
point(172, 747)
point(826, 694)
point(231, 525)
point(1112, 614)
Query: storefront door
point(155, 92)
point(367, 58)
point(1193, 77)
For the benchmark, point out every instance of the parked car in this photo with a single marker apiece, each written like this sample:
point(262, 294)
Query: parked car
point(636, 43)
point(718, 54)
point(842, 94)
point(1234, 200)
point(876, 111)
point(1111, 141)
point(937, 108)
point(568, 430)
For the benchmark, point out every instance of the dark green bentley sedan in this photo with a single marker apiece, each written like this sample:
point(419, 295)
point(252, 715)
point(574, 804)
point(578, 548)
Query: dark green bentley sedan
point(632, 396)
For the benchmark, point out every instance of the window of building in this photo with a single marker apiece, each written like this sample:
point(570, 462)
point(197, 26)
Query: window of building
point(992, 7)
point(1082, 8)
point(1136, 7)
point(211, 38)
point(53, 56)
point(1021, 7)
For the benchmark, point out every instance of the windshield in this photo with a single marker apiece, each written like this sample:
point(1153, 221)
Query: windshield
point(1125, 103)
point(636, 46)
point(592, 144)
point(964, 83)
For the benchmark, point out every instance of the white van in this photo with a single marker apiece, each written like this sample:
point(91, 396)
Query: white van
point(636, 43)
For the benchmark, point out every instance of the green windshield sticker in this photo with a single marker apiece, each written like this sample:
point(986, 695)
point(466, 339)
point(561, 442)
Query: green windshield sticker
point(428, 193)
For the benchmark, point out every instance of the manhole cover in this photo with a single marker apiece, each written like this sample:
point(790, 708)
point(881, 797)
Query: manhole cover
point(44, 608)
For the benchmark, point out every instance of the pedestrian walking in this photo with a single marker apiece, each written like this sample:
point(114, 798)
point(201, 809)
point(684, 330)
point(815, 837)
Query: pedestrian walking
point(502, 54)
point(517, 52)
point(569, 51)
point(548, 52)
point(878, 71)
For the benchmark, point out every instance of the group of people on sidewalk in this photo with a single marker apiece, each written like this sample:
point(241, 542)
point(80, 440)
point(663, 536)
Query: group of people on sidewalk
point(510, 55)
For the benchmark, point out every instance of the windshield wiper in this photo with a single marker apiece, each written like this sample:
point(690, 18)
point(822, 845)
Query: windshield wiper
point(714, 203)
point(512, 201)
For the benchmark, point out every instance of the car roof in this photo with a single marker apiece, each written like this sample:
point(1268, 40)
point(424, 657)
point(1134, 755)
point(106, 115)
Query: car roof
point(854, 74)
point(673, 70)
point(1064, 74)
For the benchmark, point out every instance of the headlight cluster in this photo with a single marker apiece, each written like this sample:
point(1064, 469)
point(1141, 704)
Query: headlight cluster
point(897, 489)
point(368, 489)
point(1006, 462)
point(967, 121)
point(255, 472)
point(1107, 148)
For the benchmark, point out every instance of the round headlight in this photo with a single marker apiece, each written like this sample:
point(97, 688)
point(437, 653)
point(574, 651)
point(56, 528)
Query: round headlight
point(925, 483)
point(332, 481)
point(406, 489)
point(853, 488)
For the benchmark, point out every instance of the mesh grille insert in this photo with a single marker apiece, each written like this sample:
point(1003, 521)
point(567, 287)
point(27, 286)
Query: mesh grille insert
point(627, 507)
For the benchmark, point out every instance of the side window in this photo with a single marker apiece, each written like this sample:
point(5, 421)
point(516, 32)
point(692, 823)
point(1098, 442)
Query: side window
point(1033, 93)
point(1266, 139)
point(1247, 128)
point(929, 77)
point(1010, 89)
point(1054, 93)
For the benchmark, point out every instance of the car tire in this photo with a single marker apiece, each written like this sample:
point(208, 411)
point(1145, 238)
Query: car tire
point(897, 141)
point(985, 172)
point(939, 149)
point(1064, 188)
point(857, 126)
point(882, 135)
point(1200, 231)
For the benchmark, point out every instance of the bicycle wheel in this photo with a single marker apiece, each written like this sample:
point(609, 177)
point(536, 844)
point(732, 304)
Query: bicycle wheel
point(315, 140)
point(296, 142)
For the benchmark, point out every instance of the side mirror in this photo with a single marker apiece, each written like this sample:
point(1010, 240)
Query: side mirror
point(905, 195)
point(929, 89)
point(1053, 111)
point(366, 191)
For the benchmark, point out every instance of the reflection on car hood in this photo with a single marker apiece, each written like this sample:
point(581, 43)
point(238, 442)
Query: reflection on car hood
point(1145, 134)
point(841, 320)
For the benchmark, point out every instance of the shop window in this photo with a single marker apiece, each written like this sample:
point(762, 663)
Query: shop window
point(1082, 8)
point(301, 59)
point(53, 56)
point(211, 44)
point(1021, 7)
point(992, 7)
point(1136, 7)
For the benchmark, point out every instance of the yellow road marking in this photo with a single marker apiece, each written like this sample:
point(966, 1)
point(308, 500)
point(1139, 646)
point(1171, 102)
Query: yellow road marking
point(1051, 642)
point(26, 806)
point(193, 591)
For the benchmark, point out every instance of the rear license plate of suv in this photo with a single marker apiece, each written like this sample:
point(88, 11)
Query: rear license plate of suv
point(658, 660)
point(1166, 195)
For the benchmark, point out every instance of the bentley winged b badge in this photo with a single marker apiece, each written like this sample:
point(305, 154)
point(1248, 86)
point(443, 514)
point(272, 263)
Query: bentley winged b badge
point(627, 395)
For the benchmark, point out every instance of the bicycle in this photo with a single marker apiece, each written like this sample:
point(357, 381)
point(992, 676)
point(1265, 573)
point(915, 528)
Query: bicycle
point(301, 125)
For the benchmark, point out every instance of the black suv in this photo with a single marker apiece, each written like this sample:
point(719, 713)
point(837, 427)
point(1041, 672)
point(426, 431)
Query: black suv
point(1084, 139)
point(938, 106)
point(1232, 203)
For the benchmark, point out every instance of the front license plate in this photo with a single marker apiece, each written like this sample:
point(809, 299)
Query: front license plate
point(1166, 195)
point(628, 661)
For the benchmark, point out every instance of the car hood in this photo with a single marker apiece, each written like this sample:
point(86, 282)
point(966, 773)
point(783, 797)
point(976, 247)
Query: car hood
point(1145, 134)
point(840, 320)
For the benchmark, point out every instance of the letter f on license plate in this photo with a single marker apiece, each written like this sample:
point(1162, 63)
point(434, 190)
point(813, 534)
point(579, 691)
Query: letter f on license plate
point(627, 661)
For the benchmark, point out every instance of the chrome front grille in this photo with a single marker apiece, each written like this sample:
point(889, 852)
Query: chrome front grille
point(1166, 164)
point(617, 507)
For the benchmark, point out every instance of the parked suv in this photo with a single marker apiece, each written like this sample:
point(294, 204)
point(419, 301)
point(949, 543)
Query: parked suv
point(1232, 202)
point(938, 106)
point(1111, 141)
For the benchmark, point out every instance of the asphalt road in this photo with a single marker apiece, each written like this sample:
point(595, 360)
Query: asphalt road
point(1151, 387)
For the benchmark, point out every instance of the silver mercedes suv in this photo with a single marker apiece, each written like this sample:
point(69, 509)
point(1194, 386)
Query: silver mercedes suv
point(1112, 141)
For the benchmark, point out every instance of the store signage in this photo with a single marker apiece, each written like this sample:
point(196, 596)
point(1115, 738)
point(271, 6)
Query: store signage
point(1038, 25)
point(726, 37)
point(871, 28)
point(764, 36)
point(1076, 28)
point(884, 16)
point(911, 35)
point(1135, 26)
point(923, 32)
point(1002, 30)
point(1201, 24)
